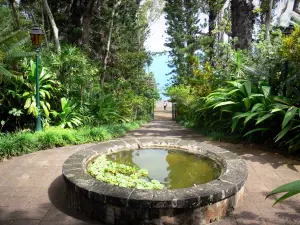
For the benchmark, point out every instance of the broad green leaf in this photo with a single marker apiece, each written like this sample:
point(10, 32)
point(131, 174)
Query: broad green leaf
point(47, 93)
point(283, 100)
point(247, 103)
point(227, 110)
point(290, 114)
point(70, 124)
point(42, 94)
point(234, 123)
point(266, 91)
point(47, 86)
point(291, 188)
point(257, 106)
point(46, 111)
point(26, 93)
point(32, 108)
point(276, 110)
point(256, 95)
point(224, 103)
point(233, 91)
point(261, 119)
point(256, 130)
point(235, 83)
point(283, 132)
point(63, 102)
point(247, 86)
point(279, 106)
point(27, 103)
point(241, 115)
point(48, 105)
point(250, 117)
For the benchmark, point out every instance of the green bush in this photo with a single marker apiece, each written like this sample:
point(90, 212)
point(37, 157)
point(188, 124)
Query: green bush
point(246, 109)
point(26, 142)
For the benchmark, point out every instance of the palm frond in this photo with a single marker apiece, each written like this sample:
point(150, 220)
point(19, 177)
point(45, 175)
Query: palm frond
point(13, 47)
point(6, 38)
point(18, 54)
point(8, 75)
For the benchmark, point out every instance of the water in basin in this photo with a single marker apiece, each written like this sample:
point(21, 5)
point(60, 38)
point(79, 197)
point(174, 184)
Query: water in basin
point(173, 168)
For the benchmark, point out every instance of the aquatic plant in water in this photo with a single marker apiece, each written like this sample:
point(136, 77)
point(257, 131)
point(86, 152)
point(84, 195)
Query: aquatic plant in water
point(121, 175)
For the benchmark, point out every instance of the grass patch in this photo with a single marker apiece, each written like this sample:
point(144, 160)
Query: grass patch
point(14, 144)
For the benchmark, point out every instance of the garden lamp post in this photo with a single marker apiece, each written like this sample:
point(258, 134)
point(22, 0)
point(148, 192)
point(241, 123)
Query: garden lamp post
point(36, 35)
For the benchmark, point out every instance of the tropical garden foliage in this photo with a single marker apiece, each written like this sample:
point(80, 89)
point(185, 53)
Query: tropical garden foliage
point(236, 82)
point(92, 71)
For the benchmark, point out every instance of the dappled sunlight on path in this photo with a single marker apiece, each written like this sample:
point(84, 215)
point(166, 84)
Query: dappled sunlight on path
point(31, 186)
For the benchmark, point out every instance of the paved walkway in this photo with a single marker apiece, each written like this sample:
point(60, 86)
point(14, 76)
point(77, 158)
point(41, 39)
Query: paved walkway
point(31, 186)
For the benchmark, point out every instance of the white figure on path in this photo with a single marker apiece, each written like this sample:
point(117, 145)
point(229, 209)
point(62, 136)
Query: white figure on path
point(165, 105)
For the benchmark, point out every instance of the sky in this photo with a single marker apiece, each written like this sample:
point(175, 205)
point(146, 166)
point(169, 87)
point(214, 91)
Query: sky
point(155, 43)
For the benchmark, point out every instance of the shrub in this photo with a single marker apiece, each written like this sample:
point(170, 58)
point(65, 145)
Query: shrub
point(26, 142)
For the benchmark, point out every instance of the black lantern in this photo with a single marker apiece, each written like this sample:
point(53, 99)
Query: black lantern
point(36, 35)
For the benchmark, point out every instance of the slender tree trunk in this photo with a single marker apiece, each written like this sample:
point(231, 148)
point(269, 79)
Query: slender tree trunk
point(113, 13)
point(296, 5)
point(211, 20)
point(87, 23)
point(268, 19)
point(15, 13)
point(43, 27)
point(214, 10)
point(242, 19)
point(53, 25)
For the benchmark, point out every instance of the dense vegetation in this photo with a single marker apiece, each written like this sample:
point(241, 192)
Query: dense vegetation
point(249, 90)
point(121, 174)
point(91, 68)
point(236, 81)
point(26, 142)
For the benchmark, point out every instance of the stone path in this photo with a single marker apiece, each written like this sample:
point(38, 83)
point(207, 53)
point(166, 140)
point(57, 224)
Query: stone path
point(31, 186)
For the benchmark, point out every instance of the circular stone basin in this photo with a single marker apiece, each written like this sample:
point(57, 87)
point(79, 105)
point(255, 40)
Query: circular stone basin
point(189, 203)
point(173, 168)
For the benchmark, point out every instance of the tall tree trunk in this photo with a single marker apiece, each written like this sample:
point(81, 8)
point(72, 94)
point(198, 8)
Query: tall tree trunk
point(15, 13)
point(43, 27)
point(107, 50)
point(213, 11)
point(53, 25)
point(268, 19)
point(296, 5)
point(211, 21)
point(86, 25)
point(242, 19)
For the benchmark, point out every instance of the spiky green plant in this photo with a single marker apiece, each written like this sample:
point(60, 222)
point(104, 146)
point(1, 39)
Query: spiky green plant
point(68, 116)
point(290, 189)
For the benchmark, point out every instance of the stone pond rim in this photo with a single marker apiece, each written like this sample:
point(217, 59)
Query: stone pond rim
point(200, 204)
